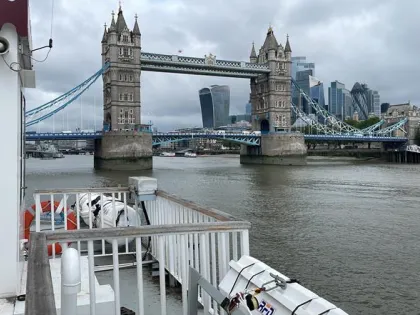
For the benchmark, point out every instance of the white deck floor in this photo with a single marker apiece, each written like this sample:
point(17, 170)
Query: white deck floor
point(104, 293)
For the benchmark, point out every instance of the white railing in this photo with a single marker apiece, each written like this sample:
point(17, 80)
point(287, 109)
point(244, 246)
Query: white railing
point(63, 202)
point(209, 253)
point(163, 234)
point(183, 235)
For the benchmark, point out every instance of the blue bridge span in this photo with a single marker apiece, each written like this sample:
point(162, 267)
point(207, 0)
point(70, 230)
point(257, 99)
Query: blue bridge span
point(247, 139)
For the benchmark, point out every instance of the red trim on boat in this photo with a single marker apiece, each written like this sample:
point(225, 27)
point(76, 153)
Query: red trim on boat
point(16, 13)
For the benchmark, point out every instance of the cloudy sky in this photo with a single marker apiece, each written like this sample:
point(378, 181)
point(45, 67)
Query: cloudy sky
point(368, 41)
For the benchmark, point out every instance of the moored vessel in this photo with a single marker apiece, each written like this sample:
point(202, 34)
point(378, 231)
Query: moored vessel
point(167, 154)
point(190, 155)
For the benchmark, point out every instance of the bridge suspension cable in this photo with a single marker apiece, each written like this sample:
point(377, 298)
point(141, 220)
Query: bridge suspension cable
point(371, 129)
point(323, 129)
point(49, 109)
point(390, 129)
point(328, 117)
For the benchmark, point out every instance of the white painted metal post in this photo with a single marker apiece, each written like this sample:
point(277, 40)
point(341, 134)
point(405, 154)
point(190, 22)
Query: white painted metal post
point(116, 274)
point(184, 271)
point(245, 242)
point(204, 271)
point(10, 166)
point(70, 281)
point(139, 276)
point(92, 294)
point(162, 271)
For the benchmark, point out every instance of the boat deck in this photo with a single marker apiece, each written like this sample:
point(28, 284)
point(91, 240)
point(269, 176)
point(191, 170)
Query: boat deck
point(187, 244)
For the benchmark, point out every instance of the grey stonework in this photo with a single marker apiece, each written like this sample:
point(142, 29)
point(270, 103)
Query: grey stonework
point(124, 150)
point(121, 82)
point(271, 94)
point(278, 149)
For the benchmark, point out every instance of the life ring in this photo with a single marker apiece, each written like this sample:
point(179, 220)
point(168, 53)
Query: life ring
point(46, 207)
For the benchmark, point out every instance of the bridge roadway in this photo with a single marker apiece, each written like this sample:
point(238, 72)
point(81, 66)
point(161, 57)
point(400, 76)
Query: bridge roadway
point(248, 139)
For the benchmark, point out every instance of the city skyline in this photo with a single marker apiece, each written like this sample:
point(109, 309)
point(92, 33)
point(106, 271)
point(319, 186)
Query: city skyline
point(170, 100)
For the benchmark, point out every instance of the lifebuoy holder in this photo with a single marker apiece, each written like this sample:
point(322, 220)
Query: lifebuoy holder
point(46, 207)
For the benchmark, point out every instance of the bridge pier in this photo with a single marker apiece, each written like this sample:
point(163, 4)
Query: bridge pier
point(276, 149)
point(124, 151)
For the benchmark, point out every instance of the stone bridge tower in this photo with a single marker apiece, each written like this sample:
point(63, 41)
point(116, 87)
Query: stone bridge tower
point(271, 108)
point(121, 83)
point(271, 94)
point(124, 146)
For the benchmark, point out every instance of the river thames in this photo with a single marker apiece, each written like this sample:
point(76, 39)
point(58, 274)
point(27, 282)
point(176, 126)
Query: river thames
point(348, 231)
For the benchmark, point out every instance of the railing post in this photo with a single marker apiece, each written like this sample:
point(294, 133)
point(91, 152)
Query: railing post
point(245, 242)
point(39, 289)
point(194, 276)
point(70, 281)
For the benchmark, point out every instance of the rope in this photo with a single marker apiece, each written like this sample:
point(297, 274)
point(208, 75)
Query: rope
point(237, 277)
point(297, 307)
point(325, 312)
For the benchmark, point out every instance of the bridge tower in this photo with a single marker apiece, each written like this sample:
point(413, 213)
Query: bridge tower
point(121, 83)
point(123, 145)
point(271, 99)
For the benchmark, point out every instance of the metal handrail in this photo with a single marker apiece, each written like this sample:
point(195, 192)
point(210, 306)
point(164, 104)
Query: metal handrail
point(211, 212)
point(39, 288)
point(40, 293)
point(144, 231)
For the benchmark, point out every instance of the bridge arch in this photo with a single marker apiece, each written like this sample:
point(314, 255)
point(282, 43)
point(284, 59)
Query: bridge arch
point(265, 126)
point(108, 121)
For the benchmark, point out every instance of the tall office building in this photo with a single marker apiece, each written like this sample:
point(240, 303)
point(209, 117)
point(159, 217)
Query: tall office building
point(366, 101)
point(348, 104)
point(302, 80)
point(302, 72)
point(299, 63)
point(316, 92)
point(248, 107)
point(312, 87)
point(336, 97)
point(376, 103)
point(215, 103)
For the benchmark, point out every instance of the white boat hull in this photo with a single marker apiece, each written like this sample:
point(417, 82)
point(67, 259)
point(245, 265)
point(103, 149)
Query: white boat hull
point(249, 273)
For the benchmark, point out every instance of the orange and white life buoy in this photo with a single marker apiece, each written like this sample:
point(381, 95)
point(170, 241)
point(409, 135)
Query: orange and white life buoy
point(46, 207)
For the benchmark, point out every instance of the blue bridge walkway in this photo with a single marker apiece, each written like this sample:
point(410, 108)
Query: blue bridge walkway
point(248, 139)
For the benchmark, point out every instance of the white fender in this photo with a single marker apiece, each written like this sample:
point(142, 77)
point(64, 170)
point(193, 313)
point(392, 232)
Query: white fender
point(108, 214)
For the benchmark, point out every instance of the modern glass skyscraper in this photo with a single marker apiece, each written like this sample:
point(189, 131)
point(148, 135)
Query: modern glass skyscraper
point(248, 108)
point(301, 72)
point(316, 92)
point(299, 63)
point(312, 87)
point(302, 79)
point(348, 104)
point(366, 101)
point(336, 99)
point(215, 103)
point(376, 103)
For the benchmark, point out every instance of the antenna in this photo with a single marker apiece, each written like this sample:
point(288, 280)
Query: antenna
point(94, 113)
point(81, 113)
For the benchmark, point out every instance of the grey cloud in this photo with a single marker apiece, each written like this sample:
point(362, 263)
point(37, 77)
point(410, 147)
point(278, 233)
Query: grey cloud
point(358, 40)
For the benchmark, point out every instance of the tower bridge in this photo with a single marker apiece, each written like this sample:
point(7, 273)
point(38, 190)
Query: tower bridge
point(159, 138)
point(269, 71)
point(208, 65)
point(125, 143)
